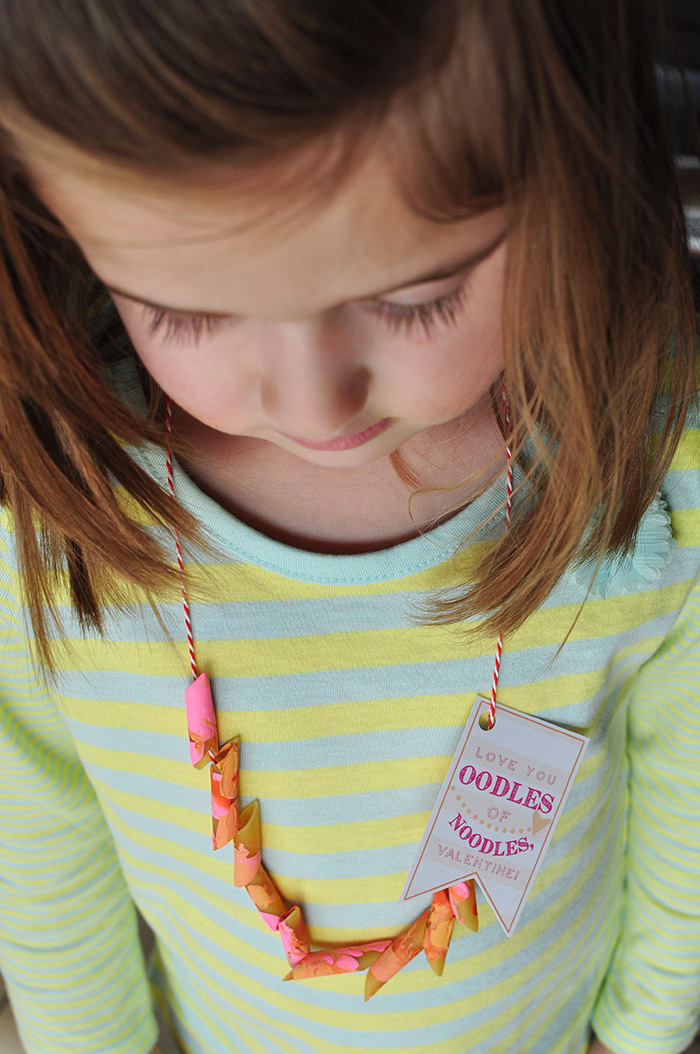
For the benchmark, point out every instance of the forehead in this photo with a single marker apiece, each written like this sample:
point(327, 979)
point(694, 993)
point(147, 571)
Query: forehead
point(220, 242)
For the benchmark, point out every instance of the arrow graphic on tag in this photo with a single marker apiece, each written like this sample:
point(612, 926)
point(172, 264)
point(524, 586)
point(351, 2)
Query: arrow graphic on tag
point(504, 787)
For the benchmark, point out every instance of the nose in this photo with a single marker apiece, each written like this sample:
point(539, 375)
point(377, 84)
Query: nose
point(313, 381)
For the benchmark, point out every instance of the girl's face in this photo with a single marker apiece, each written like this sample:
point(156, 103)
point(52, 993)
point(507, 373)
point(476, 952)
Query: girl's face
point(337, 331)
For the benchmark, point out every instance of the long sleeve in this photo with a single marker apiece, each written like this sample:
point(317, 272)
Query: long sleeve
point(69, 947)
point(651, 999)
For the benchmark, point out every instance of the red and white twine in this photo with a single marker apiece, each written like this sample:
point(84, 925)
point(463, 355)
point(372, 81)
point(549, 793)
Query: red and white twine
point(509, 505)
point(180, 564)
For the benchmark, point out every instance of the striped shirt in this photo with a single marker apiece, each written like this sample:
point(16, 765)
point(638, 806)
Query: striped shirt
point(349, 707)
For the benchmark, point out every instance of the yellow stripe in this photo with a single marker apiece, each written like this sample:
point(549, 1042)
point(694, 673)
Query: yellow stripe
point(290, 784)
point(261, 726)
point(362, 648)
point(685, 525)
point(687, 454)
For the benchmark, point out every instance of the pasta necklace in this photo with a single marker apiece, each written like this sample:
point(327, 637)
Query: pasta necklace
point(432, 930)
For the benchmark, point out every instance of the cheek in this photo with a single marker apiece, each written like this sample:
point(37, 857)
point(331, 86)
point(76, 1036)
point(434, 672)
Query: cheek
point(442, 378)
point(193, 374)
point(457, 367)
point(195, 378)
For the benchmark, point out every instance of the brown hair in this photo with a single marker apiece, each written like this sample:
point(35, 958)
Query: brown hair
point(547, 106)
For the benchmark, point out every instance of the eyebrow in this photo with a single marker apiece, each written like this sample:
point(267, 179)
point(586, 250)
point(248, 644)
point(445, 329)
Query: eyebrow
point(444, 271)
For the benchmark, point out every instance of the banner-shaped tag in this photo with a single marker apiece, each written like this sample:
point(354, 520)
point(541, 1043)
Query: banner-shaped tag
point(497, 809)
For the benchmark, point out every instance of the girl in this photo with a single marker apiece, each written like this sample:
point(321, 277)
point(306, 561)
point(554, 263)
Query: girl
point(364, 269)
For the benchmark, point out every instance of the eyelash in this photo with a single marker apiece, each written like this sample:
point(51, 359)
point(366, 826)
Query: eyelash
point(406, 318)
point(180, 328)
point(400, 318)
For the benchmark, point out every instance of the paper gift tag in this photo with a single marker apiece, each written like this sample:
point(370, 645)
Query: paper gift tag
point(497, 809)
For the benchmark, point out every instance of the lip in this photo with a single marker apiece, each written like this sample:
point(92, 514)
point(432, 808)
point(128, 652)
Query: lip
point(343, 442)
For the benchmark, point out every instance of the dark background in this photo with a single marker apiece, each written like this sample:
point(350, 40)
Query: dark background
point(682, 108)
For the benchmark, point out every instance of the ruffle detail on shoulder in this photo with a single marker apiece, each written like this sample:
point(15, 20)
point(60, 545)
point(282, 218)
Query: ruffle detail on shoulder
point(642, 567)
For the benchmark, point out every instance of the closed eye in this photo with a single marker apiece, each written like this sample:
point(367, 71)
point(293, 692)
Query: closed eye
point(404, 319)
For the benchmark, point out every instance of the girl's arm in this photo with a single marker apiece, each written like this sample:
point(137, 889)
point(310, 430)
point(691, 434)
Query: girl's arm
point(650, 1000)
point(69, 946)
point(67, 922)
